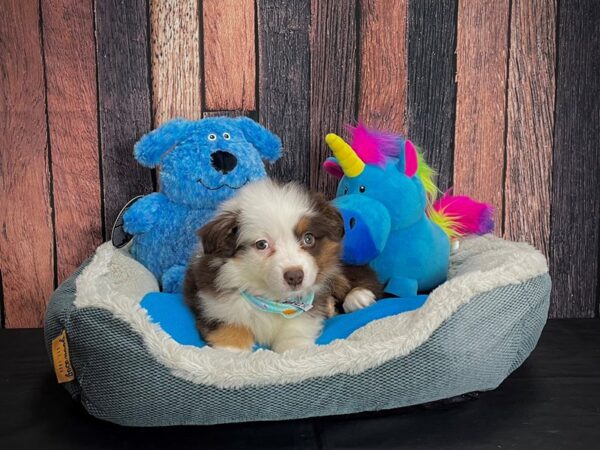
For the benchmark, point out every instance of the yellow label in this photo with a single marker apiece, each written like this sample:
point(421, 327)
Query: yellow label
point(62, 362)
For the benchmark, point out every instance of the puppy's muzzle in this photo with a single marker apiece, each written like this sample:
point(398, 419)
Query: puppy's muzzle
point(294, 277)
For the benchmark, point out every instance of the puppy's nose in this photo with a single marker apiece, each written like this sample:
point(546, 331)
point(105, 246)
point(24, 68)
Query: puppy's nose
point(294, 276)
point(223, 162)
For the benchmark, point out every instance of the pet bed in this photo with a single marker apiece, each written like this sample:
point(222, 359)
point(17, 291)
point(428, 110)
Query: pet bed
point(133, 362)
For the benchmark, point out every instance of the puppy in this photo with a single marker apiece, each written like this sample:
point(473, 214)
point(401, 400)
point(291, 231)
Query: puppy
point(270, 271)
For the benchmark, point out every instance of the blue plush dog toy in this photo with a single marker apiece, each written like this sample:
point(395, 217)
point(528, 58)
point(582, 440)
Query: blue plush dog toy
point(201, 164)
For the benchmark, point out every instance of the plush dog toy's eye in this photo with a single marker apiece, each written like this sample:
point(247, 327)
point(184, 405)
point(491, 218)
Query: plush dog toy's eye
point(212, 137)
point(345, 190)
point(362, 189)
point(226, 136)
point(308, 239)
point(261, 244)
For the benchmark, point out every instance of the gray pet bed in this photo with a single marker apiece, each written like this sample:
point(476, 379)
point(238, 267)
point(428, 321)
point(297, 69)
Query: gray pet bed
point(472, 332)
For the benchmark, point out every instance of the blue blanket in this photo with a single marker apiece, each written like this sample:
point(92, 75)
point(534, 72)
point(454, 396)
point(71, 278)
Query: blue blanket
point(171, 313)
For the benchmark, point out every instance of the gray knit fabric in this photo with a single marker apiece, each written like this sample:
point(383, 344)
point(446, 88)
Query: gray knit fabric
point(119, 381)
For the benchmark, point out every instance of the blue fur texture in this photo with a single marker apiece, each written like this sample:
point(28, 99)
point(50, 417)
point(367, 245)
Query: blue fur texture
point(386, 227)
point(201, 164)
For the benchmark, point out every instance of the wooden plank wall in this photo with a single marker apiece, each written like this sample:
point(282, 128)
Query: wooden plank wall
point(575, 201)
point(501, 95)
point(26, 243)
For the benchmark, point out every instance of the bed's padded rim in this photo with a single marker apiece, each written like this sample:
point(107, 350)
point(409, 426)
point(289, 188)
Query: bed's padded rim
point(118, 380)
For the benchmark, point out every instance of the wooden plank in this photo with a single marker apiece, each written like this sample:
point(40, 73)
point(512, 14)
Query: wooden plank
point(70, 57)
point(124, 100)
point(530, 122)
point(575, 234)
point(431, 85)
point(383, 64)
point(481, 62)
point(229, 54)
point(26, 240)
point(175, 46)
point(251, 114)
point(333, 40)
point(284, 82)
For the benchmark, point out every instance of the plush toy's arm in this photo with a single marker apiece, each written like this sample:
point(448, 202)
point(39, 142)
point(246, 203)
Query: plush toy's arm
point(172, 279)
point(402, 287)
point(143, 214)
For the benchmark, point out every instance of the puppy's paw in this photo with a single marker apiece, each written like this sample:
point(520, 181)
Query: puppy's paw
point(358, 298)
point(231, 337)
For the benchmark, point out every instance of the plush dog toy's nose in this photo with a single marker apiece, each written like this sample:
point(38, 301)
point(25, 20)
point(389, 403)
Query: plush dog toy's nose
point(294, 276)
point(222, 161)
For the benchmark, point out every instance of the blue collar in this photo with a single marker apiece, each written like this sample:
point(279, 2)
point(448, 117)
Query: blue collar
point(288, 308)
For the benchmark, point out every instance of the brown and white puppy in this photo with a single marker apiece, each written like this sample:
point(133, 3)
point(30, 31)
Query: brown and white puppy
point(277, 242)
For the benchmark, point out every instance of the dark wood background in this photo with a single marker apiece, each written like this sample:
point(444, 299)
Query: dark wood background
point(503, 95)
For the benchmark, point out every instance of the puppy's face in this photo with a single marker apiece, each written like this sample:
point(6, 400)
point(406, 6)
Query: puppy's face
point(274, 241)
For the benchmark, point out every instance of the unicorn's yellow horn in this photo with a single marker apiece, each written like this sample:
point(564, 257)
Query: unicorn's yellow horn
point(349, 161)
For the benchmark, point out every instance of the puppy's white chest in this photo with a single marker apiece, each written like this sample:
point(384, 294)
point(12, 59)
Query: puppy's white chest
point(235, 309)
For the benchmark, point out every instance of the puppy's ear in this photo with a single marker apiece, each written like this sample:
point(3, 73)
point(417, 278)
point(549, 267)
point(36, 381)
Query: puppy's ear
point(219, 236)
point(328, 221)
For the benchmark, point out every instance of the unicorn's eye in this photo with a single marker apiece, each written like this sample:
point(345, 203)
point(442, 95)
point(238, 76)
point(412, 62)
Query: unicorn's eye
point(362, 189)
point(226, 136)
point(212, 137)
point(345, 190)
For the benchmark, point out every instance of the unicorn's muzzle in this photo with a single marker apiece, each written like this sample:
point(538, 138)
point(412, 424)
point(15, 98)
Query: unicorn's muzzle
point(367, 225)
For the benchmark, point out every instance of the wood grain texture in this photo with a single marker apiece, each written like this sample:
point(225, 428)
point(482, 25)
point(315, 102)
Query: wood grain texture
point(284, 82)
point(175, 47)
point(251, 114)
point(431, 106)
point(481, 61)
point(530, 122)
point(26, 238)
point(333, 41)
point(124, 99)
point(383, 64)
point(229, 54)
point(70, 57)
point(575, 223)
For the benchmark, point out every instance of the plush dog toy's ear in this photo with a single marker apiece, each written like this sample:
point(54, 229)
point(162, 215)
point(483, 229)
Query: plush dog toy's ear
point(150, 149)
point(267, 143)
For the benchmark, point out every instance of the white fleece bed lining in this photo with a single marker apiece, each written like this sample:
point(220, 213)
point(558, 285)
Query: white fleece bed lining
point(115, 282)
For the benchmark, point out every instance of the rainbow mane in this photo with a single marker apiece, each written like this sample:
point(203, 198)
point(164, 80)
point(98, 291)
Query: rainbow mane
point(457, 216)
point(376, 147)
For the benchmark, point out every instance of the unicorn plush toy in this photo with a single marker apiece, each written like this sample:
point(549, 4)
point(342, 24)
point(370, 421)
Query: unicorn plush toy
point(385, 195)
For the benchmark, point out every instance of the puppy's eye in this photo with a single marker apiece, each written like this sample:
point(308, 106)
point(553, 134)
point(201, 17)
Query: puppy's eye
point(362, 189)
point(212, 137)
point(226, 136)
point(261, 244)
point(345, 190)
point(308, 240)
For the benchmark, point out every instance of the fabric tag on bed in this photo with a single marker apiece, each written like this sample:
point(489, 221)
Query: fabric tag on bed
point(62, 361)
